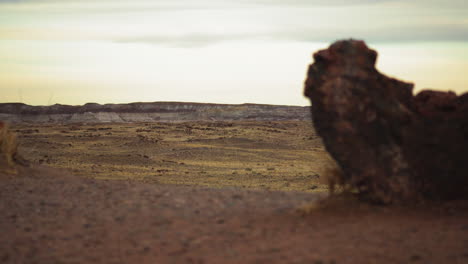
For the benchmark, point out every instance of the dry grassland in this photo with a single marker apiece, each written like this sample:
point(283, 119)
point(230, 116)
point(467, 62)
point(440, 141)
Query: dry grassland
point(285, 155)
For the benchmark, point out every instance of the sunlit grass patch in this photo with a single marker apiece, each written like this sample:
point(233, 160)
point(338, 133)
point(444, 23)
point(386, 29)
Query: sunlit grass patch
point(8, 149)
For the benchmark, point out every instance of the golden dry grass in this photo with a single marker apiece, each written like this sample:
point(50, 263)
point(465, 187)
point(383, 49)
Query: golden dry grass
point(285, 155)
point(340, 193)
point(332, 175)
point(8, 149)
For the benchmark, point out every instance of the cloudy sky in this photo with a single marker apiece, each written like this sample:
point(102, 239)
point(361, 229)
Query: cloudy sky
point(221, 51)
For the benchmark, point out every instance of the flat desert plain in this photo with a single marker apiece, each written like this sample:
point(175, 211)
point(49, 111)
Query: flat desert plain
point(284, 155)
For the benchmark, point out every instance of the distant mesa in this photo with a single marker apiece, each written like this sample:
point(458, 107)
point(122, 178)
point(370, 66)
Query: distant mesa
point(150, 112)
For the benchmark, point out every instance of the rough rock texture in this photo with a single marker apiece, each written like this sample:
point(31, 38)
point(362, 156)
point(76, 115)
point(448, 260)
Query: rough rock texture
point(390, 145)
point(149, 112)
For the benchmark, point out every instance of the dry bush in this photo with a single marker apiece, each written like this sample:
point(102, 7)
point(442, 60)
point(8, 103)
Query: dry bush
point(332, 175)
point(341, 194)
point(8, 149)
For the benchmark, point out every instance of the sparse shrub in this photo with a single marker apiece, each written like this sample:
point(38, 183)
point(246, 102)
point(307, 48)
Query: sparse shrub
point(341, 193)
point(332, 175)
point(8, 149)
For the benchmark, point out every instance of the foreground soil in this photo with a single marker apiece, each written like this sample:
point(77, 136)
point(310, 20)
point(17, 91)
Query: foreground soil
point(50, 217)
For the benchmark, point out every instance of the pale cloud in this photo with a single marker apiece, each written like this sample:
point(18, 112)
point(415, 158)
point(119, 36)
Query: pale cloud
point(189, 23)
point(316, 2)
point(442, 33)
point(195, 40)
point(111, 6)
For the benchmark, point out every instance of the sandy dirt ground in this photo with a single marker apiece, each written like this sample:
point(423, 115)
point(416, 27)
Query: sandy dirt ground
point(50, 217)
point(221, 192)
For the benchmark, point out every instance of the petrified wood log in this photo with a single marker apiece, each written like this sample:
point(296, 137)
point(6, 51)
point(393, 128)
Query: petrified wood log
point(391, 146)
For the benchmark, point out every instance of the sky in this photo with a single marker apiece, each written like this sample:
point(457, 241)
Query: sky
point(217, 51)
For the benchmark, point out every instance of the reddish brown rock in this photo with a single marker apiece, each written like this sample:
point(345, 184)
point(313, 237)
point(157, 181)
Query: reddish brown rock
point(391, 146)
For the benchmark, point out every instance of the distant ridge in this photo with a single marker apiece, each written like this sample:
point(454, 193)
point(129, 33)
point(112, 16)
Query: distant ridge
point(150, 112)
